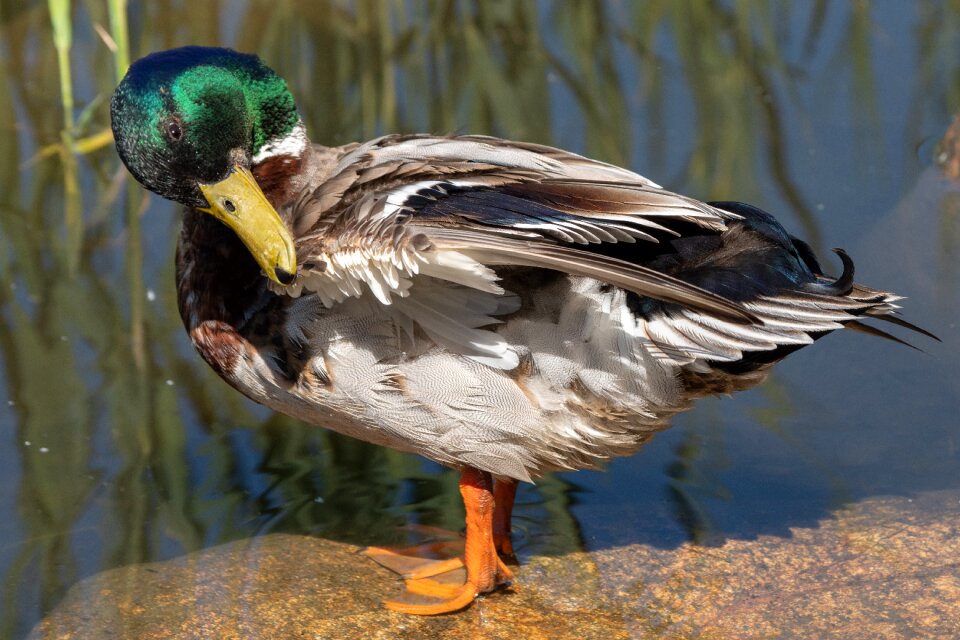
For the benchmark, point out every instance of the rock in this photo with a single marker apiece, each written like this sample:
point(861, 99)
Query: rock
point(883, 568)
point(284, 587)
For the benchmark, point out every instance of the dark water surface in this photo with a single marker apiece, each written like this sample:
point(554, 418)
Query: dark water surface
point(119, 446)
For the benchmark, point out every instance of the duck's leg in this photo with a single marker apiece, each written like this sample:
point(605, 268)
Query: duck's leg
point(504, 491)
point(485, 571)
point(414, 563)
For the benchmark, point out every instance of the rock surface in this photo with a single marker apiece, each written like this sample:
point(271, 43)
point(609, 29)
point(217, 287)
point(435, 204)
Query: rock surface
point(882, 568)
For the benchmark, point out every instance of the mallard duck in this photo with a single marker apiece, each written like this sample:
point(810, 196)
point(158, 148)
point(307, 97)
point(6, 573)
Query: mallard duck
point(504, 308)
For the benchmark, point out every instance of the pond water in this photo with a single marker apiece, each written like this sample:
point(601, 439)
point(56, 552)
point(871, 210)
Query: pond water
point(119, 446)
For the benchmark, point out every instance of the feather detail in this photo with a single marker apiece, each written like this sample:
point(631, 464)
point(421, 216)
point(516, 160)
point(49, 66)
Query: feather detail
point(629, 276)
point(452, 316)
point(413, 218)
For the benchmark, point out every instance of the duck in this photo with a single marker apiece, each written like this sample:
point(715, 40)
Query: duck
point(503, 308)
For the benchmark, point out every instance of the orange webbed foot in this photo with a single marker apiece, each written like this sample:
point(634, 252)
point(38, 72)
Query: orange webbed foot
point(455, 599)
point(418, 561)
point(445, 580)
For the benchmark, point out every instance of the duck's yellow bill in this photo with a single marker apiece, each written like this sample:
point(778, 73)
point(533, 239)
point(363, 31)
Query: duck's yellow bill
point(240, 204)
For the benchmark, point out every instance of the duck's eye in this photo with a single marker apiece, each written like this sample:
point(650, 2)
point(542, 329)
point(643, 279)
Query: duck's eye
point(174, 130)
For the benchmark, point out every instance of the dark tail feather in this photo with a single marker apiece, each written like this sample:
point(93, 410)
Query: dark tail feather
point(900, 322)
point(856, 325)
point(842, 285)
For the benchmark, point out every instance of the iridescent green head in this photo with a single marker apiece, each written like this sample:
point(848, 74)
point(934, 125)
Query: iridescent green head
point(190, 122)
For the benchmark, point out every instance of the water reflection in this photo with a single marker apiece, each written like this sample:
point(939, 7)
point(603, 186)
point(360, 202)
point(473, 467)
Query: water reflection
point(121, 447)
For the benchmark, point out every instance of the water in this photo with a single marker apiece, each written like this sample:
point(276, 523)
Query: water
point(120, 446)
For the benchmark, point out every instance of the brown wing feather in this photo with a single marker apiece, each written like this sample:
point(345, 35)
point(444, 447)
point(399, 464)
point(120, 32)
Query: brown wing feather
point(492, 250)
point(542, 200)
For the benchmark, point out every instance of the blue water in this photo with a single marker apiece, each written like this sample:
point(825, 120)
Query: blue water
point(832, 128)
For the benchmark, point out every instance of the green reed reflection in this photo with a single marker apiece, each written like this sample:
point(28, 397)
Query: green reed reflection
point(122, 467)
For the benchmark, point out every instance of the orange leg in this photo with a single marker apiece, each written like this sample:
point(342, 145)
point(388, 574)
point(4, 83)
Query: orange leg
point(485, 571)
point(504, 491)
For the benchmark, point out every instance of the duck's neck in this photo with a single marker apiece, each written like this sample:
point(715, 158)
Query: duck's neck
point(221, 290)
point(217, 278)
point(280, 165)
point(294, 143)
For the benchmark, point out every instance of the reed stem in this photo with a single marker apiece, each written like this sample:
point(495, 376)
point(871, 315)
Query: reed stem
point(119, 32)
point(62, 41)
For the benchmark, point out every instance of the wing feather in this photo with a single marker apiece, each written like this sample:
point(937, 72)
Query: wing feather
point(492, 250)
point(402, 212)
